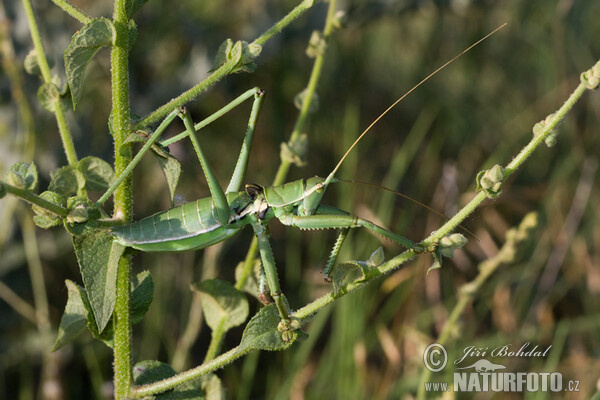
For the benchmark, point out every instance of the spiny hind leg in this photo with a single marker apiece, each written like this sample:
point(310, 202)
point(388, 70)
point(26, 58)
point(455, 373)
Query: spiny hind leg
point(339, 219)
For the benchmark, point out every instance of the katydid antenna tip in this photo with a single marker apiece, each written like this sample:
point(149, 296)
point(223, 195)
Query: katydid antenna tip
point(330, 177)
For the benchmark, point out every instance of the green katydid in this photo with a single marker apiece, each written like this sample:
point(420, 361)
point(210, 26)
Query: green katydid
point(204, 222)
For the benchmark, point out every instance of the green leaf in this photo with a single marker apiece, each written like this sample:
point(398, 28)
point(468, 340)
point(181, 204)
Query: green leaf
point(49, 96)
point(142, 293)
point(85, 43)
point(300, 99)
point(23, 176)
point(170, 167)
point(136, 137)
point(261, 333)
point(213, 388)
point(221, 301)
point(344, 274)
point(437, 261)
point(44, 218)
point(66, 181)
point(377, 258)
point(240, 54)
point(133, 33)
point(98, 174)
point(98, 257)
point(2, 190)
point(149, 371)
point(82, 216)
point(74, 318)
point(31, 64)
point(132, 6)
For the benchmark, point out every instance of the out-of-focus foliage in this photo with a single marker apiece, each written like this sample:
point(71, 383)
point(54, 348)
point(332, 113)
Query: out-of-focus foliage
point(476, 113)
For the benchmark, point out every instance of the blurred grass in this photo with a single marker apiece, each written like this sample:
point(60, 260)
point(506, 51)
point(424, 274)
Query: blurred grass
point(477, 112)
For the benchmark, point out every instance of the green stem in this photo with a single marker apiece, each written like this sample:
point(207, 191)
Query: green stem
point(467, 292)
point(65, 133)
point(510, 168)
point(36, 273)
point(248, 266)
point(73, 11)
point(311, 88)
point(221, 72)
point(35, 199)
point(185, 97)
point(310, 309)
point(215, 341)
point(17, 303)
point(170, 383)
point(122, 196)
point(285, 21)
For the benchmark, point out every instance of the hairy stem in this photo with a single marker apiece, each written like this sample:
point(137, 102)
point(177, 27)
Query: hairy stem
point(221, 72)
point(122, 196)
point(215, 341)
point(194, 373)
point(35, 199)
point(63, 128)
point(73, 11)
point(510, 168)
point(285, 21)
point(311, 88)
point(468, 291)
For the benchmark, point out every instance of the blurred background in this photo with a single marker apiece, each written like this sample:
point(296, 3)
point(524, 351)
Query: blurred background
point(477, 112)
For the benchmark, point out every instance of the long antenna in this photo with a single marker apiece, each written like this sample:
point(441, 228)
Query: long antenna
point(407, 197)
point(332, 174)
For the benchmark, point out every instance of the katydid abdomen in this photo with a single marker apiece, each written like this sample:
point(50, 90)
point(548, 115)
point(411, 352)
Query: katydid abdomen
point(190, 226)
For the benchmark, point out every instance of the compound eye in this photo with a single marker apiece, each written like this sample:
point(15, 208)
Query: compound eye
point(253, 190)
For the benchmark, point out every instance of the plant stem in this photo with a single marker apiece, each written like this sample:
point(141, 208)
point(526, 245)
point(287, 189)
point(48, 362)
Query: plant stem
point(310, 94)
point(510, 168)
point(73, 11)
point(285, 21)
point(17, 303)
point(185, 97)
point(35, 199)
point(467, 292)
point(122, 196)
point(65, 133)
point(36, 273)
point(194, 373)
point(215, 341)
point(221, 72)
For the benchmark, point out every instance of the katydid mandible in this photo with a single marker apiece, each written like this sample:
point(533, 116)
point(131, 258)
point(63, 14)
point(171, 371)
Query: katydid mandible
point(204, 222)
